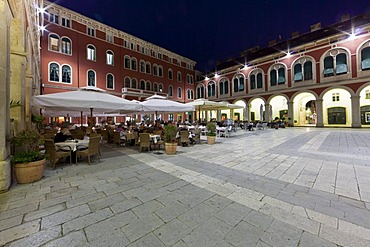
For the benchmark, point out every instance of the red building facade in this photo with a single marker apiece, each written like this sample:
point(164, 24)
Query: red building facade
point(78, 52)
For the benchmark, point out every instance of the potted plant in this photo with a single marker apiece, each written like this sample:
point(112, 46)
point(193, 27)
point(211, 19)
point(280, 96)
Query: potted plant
point(28, 162)
point(211, 133)
point(170, 144)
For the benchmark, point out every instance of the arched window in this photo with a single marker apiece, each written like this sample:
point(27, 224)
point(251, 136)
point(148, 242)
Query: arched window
point(147, 68)
point(179, 93)
point(170, 91)
point(224, 86)
point(187, 78)
point(365, 58)
point(192, 79)
point(200, 92)
point(134, 83)
point(155, 70)
point(170, 74)
point(160, 87)
point(91, 78)
point(127, 82)
point(133, 63)
point(110, 81)
point(127, 62)
point(211, 88)
point(239, 83)
point(335, 63)
point(307, 71)
point(142, 66)
point(109, 57)
point(54, 72)
point(66, 46)
point(255, 79)
point(160, 71)
point(66, 74)
point(179, 76)
point(142, 85)
point(277, 75)
point(91, 55)
point(148, 86)
point(190, 94)
point(54, 42)
point(155, 87)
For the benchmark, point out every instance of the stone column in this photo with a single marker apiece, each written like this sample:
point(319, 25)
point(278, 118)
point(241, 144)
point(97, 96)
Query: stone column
point(355, 104)
point(5, 168)
point(290, 113)
point(267, 113)
point(218, 115)
point(319, 112)
point(246, 113)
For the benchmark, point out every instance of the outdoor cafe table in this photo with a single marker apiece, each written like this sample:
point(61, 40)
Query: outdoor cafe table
point(72, 144)
point(155, 138)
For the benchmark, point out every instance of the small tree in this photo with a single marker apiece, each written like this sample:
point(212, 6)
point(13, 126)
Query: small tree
point(26, 144)
point(211, 129)
point(170, 131)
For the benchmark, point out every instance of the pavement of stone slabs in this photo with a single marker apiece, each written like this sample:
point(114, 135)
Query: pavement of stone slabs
point(285, 187)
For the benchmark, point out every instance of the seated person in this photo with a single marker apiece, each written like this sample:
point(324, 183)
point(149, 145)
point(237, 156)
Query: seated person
point(63, 135)
point(250, 126)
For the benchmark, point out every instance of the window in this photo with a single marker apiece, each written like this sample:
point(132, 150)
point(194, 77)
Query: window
point(155, 69)
point(133, 64)
point(211, 88)
point(53, 42)
point(147, 67)
point(160, 87)
point(335, 63)
point(134, 83)
point(187, 78)
point(252, 81)
point(224, 86)
point(66, 74)
point(239, 83)
point(302, 70)
point(66, 22)
point(281, 76)
point(91, 53)
point(66, 46)
point(132, 46)
point(190, 94)
point(170, 91)
point(273, 77)
point(142, 66)
point(148, 86)
point(277, 75)
point(109, 55)
point(109, 38)
point(365, 58)
point(127, 82)
point(142, 85)
point(54, 18)
point(179, 76)
point(367, 94)
point(200, 91)
point(335, 97)
point(110, 81)
point(91, 31)
point(155, 87)
point(54, 72)
point(160, 71)
point(91, 78)
point(170, 74)
point(179, 93)
point(127, 62)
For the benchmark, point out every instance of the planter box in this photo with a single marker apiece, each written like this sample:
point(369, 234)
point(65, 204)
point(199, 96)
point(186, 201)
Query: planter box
point(211, 140)
point(170, 148)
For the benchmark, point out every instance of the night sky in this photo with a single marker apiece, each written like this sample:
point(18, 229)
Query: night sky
point(207, 31)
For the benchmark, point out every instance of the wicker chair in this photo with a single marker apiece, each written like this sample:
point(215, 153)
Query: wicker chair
point(54, 154)
point(117, 139)
point(196, 137)
point(184, 137)
point(93, 149)
point(144, 141)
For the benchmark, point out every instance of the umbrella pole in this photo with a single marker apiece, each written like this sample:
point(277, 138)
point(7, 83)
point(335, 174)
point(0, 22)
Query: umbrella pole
point(81, 119)
point(91, 117)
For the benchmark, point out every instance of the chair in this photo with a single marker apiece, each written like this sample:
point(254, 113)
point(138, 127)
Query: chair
point(78, 134)
point(144, 141)
point(93, 149)
point(55, 154)
point(117, 139)
point(105, 135)
point(196, 137)
point(184, 137)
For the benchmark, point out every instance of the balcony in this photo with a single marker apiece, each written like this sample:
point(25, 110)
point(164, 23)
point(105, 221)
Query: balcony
point(139, 93)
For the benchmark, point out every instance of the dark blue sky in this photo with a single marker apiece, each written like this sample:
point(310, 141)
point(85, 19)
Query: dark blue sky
point(207, 31)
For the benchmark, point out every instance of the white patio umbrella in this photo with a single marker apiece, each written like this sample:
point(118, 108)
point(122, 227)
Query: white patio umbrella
point(87, 99)
point(157, 103)
point(205, 104)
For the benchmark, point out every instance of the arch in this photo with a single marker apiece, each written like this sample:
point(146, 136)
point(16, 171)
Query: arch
point(91, 78)
point(170, 91)
point(66, 45)
point(179, 93)
point(54, 42)
point(304, 108)
point(54, 71)
point(363, 56)
point(66, 73)
point(110, 81)
point(223, 87)
point(335, 62)
point(303, 69)
point(211, 89)
point(160, 71)
point(256, 79)
point(277, 75)
point(142, 66)
point(134, 83)
point(337, 108)
point(127, 62)
point(179, 76)
point(133, 63)
point(109, 55)
point(160, 87)
point(200, 91)
point(91, 52)
point(142, 84)
point(170, 74)
point(238, 83)
point(127, 82)
point(148, 86)
point(364, 93)
point(155, 69)
point(147, 68)
point(256, 109)
point(155, 86)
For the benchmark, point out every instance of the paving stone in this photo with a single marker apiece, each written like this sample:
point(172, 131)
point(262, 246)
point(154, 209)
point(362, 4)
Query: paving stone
point(310, 240)
point(109, 225)
point(114, 238)
point(105, 201)
point(10, 222)
point(141, 227)
point(44, 212)
point(233, 213)
point(342, 239)
point(86, 220)
point(55, 201)
point(149, 240)
point(38, 238)
point(64, 216)
point(197, 215)
point(147, 208)
point(208, 234)
point(258, 219)
point(18, 232)
point(172, 232)
point(18, 211)
point(72, 239)
point(244, 234)
point(171, 211)
point(281, 234)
